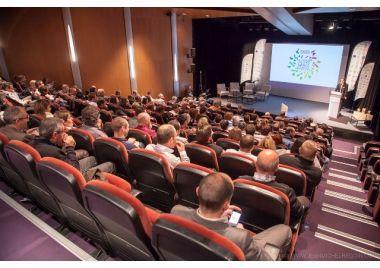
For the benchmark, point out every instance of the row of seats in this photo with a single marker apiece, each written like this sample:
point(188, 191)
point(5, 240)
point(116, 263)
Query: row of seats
point(108, 212)
point(369, 168)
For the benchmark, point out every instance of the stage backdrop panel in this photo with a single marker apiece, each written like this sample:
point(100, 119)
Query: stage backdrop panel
point(364, 79)
point(306, 71)
point(356, 63)
point(246, 68)
point(258, 60)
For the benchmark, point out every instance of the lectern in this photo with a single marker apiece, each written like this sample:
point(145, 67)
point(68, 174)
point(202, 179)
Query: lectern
point(335, 99)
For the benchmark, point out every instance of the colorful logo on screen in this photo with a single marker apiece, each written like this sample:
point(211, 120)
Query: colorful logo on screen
point(304, 64)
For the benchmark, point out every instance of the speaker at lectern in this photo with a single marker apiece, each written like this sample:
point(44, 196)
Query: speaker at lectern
point(334, 104)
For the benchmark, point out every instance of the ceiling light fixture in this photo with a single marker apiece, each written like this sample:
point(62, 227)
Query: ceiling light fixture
point(331, 26)
point(207, 15)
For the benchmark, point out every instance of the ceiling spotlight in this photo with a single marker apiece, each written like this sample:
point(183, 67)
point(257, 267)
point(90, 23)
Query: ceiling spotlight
point(207, 15)
point(331, 26)
point(184, 14)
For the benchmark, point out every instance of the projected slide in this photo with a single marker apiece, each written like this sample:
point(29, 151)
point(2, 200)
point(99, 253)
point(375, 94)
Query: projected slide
point(317, 65)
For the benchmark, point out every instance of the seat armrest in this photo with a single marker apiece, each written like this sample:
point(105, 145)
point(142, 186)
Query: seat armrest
point(136, 193)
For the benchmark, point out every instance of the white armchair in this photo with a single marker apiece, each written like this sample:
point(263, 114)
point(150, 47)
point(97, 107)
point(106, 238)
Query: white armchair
point(234, 86)
point(221, 90)
point(263, 93)
point(248, 89)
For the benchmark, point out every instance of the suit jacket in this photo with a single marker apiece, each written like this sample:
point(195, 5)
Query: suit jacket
point(12, 133)
point(46, 148)
point(242, 238)
point(218, 150)
point(313, 174)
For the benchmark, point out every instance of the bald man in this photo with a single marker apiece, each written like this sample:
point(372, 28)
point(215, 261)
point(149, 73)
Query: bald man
point(214, 193)
point(304, 161)
point(266, 167)
point(145, 125)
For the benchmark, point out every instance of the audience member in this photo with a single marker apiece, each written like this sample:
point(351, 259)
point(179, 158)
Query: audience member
point(247, 143)
point(144, 124)
point(214, 193)
point(166, 142)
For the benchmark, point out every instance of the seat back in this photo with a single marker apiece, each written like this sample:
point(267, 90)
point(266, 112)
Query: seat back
point(202, 155)
point(23, 158)
point(83, 139)
point(186, 179)
point(371, 151)
point(369, 144)
point(8, 174)
point(373, 158)
point(218, 134)
point(256, 150)
point(176, 238)
point(122, 218)
point(227, 143)
point(153, 176)
point(111, 150)
point(293, 177)
point(262, 206)
point(65, 183)
point(140, 136)
point(236, 164)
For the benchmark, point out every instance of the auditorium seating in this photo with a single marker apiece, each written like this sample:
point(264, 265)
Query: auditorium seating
point(178, 239)
point(111, 150)
point(140, 136)
point(66, 183)
point(202, 155)
point(236, 164)
point(122, 218)
point(83, 139)
point(262, 206)
point(9, 175)
point(292, 177)
point(23, 158)
point(218, 134)
point(186, 177)
point(153, 176)
point(227, 143)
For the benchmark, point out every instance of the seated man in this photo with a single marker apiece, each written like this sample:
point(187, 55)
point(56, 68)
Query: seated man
point(166, 142)
point(266, 167)
point(204, 137)
point(54, 142)
point(120, 129)
point(247, 143)
point(305, 162)
point(145, 125)
point(92, 122)
point(214, 193)
point(288, 139)
point(177, 127)
point(16, 124)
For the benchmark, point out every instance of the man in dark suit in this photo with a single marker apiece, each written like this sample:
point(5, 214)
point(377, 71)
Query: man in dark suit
point(342, 87)
point(305, 162)
point(215, 193)
point(266, 166)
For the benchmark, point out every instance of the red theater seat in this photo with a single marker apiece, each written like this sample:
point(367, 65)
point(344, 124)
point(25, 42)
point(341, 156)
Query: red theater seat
point(178, 239)
point(186, 179)
point(66, 183)
point(9, 175)
point(83, 139)
point(236, 164)
point(227, 143)
point(110, 150)
point(140, 136)
point(202, 155)
point(153, 176)
point(125, 222)
point(23, 158)
point(293, 177)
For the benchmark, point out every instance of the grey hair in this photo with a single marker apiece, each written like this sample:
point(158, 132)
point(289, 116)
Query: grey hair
point(49, 126)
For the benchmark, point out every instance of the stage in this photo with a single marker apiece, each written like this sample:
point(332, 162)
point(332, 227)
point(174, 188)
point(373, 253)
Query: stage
point(315, 110)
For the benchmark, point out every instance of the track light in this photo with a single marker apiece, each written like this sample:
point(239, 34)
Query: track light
point(331, 26)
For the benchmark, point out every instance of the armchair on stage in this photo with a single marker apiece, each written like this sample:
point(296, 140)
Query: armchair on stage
point(334, 104)
point(251, 91)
